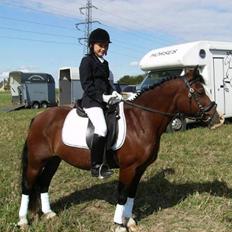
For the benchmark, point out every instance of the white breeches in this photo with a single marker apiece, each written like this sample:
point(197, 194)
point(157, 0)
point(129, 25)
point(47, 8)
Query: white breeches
point(96, 116)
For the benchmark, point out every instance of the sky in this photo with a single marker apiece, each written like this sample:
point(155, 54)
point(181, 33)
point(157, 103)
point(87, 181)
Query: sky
point(41, 36)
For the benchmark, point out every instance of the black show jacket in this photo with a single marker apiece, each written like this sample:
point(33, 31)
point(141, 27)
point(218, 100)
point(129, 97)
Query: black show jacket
point(94, 77)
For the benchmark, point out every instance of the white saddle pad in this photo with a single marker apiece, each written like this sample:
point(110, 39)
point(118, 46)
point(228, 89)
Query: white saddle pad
point(74, 130)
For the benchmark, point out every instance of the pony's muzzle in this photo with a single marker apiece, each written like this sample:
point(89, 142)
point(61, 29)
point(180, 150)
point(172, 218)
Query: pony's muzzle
point(212, 117)
point(216, 121)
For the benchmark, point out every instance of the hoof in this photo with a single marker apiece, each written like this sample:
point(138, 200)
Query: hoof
point(120, 228)
point(23, 223)
point(50, 215)
point(132, 225)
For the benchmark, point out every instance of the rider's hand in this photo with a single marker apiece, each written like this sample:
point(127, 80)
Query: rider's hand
point(111, 99)
point(106, 98)
point(117, 95)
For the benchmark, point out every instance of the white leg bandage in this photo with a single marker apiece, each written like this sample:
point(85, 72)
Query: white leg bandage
point(45, 204)
point(24, 206)
point(118, 215)
point(129, 207)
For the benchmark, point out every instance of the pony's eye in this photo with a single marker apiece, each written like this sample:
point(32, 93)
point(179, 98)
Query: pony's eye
point(201, 91)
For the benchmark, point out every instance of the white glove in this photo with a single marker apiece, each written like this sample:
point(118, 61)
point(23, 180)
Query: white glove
point(111, 99)
point(118, 95)
point(107, 98)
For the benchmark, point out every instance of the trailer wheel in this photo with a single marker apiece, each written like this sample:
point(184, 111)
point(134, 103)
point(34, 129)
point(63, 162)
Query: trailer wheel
point(44, 105)
point(35, 105)
point(177, 124)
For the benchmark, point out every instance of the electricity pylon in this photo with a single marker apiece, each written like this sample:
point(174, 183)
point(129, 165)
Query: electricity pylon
point(88, 24)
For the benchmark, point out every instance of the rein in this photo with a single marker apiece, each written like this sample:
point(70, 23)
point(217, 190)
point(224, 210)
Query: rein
point(149, 109)
point(192, 94)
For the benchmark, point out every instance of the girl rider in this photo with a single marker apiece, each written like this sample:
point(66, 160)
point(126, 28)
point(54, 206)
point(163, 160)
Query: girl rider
point(98, 92)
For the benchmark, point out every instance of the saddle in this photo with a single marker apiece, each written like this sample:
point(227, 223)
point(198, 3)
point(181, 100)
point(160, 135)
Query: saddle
point(111, 117)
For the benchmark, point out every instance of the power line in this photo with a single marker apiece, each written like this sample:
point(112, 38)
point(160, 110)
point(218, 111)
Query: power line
point(138, 35)
point(34, 22)
point(36, 32)
point(89, 19)
point(16, 4)
point(36, 40)
point(66, 36)
point(130, 54)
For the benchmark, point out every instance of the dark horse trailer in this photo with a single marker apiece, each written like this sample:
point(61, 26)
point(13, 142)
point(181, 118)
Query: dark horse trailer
point(32, 89)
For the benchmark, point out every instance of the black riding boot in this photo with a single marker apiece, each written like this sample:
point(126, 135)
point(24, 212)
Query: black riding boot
point(99, 169)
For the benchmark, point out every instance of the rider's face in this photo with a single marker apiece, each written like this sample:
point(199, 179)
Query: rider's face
point(100, 49)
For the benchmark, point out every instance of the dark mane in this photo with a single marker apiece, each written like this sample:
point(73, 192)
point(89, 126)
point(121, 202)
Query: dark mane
point(196, 76)
point(168, 78)
point(161, 82)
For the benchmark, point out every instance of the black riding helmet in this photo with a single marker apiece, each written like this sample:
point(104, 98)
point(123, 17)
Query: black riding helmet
point(98, 35)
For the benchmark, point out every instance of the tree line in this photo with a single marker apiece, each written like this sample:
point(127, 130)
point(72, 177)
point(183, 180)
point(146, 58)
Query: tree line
point(131, 80)
point(5, 83)
point(126, 80)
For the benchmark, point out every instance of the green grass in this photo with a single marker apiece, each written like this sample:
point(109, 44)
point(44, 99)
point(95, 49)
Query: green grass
point(5, 99)
point(188, 188)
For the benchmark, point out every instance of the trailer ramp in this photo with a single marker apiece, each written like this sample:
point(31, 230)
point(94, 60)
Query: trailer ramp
point(12, 108)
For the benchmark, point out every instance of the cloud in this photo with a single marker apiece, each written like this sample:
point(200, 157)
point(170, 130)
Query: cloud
point(5, 74)
point(185, 20)
point(134, 63)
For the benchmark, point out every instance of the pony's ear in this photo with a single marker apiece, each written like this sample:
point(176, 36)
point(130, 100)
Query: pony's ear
point(196, 71)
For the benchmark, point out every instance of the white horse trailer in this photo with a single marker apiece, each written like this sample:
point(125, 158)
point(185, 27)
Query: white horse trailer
point(215, 64)
point(70, 85)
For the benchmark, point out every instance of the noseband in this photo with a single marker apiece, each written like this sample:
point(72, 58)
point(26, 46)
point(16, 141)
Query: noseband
point(202, 110)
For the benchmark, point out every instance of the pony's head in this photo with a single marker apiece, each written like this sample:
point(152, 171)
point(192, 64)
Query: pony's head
point(193, 101)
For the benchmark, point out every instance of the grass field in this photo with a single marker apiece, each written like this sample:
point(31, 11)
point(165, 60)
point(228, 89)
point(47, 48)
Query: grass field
point(189, 187)
point(5, 99)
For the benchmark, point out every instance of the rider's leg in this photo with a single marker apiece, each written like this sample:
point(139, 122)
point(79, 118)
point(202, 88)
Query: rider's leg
point(96, 116)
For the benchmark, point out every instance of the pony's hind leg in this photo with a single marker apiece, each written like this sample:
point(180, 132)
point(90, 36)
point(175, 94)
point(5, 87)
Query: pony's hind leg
point(36, 178)
point(44, 181)
point(29, 192)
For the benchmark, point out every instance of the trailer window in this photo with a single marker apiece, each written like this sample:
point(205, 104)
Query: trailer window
point(154, 77)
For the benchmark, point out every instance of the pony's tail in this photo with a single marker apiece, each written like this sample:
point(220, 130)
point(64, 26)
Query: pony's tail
point(32, 191)
point(24, 166)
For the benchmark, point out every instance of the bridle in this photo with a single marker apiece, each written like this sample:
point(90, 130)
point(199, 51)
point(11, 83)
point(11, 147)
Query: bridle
point(193, 94)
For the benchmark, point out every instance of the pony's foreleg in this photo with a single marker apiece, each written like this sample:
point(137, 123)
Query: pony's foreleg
point(44, 182)
point(121, 201)
point(129, 221)
point(45, 205)
point(23, 210)
point(123, 215)
point(125, 204)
